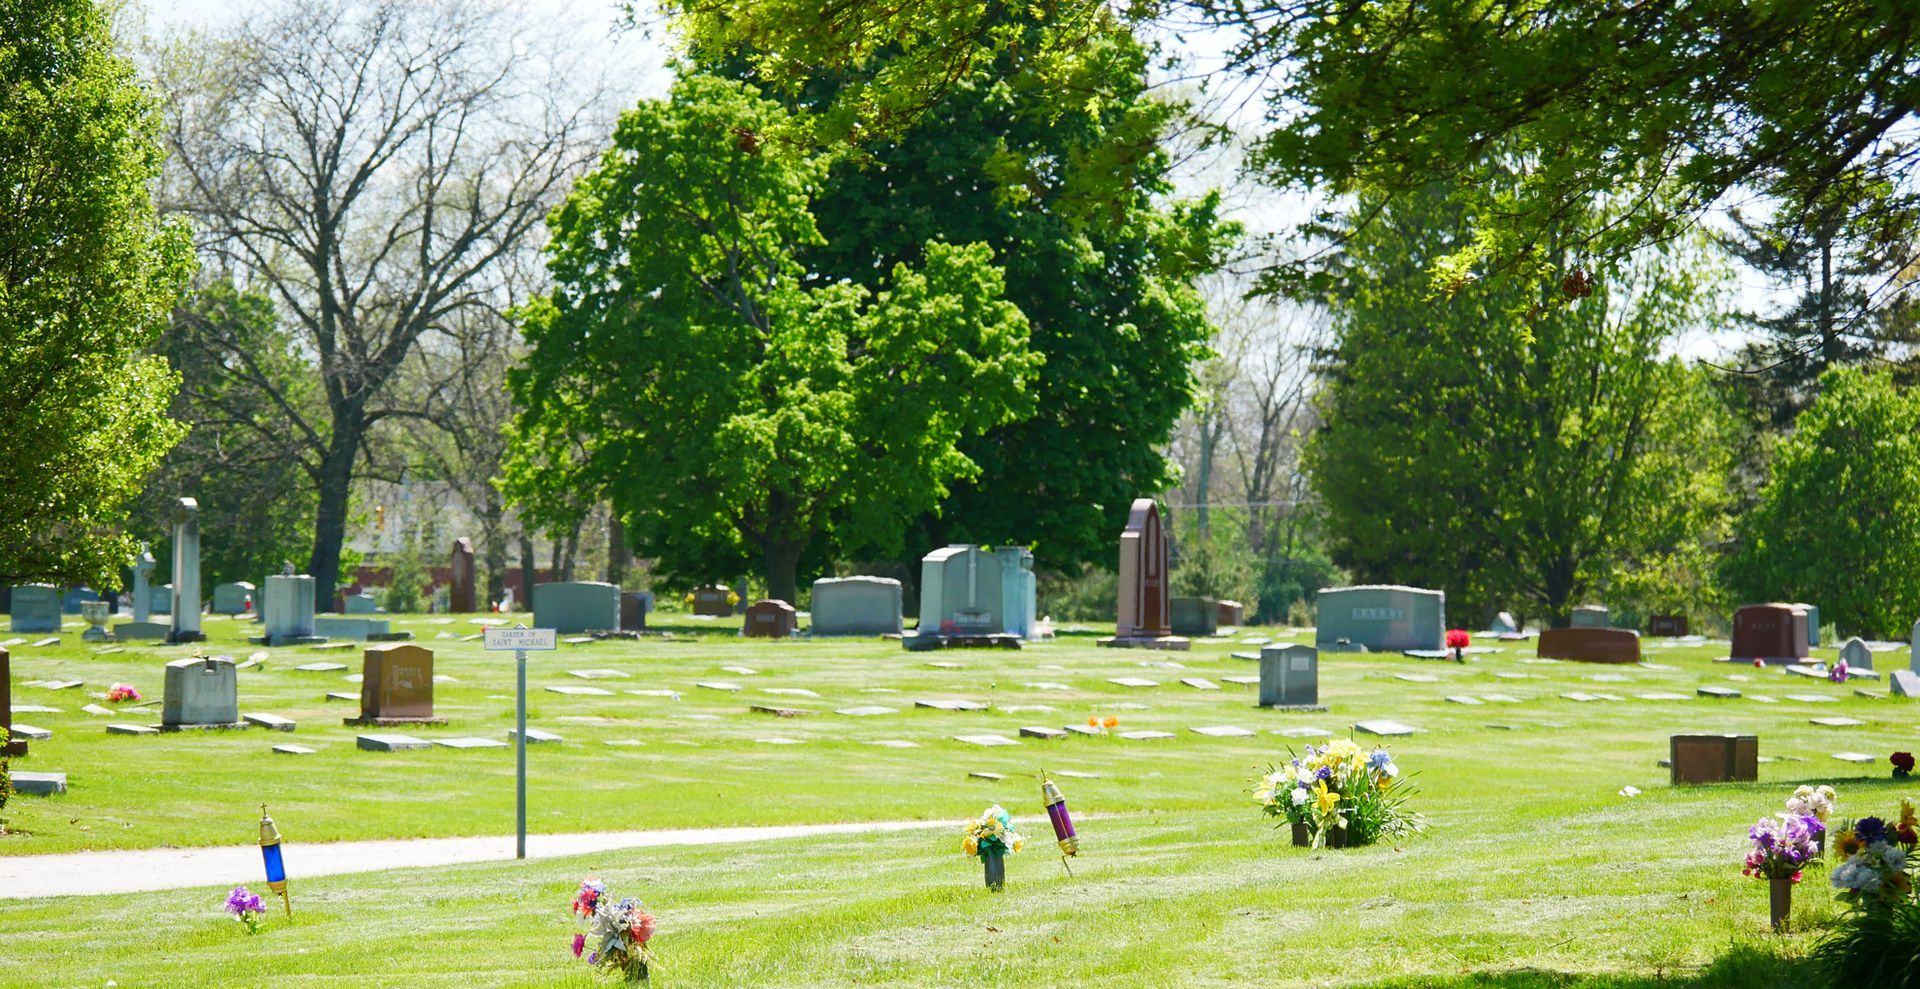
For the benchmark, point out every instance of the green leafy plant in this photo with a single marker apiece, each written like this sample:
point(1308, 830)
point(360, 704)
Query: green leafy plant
point(1873, 949)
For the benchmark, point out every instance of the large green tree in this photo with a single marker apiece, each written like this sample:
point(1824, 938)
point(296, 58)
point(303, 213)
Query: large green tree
point(1111, 304)
point(729, 407)
point(1516, 443)
point(1671, 106)
point(1838, 522)
point(87, 275)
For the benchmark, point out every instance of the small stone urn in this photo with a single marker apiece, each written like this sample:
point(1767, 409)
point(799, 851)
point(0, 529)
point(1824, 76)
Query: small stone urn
point(95, 615)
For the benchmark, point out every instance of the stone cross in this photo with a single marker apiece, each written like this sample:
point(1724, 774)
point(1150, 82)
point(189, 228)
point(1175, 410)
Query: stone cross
point(186, 572)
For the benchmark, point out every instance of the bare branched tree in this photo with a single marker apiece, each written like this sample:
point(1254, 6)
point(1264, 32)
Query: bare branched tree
point(368, 165)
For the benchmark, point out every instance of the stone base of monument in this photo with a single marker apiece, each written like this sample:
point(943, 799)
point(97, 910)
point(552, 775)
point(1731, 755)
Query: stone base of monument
point(223, 726)
point(289, 640)
point(186, 635)
point(1308, 708)
point(1341, 645)
point(928, 641)
point(1172, 642)
point(390, 722)
point(141, 630)
point(401, 636)
point(97, 635)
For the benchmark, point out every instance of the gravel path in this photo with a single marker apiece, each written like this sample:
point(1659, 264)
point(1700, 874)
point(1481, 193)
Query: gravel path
point(97, 873)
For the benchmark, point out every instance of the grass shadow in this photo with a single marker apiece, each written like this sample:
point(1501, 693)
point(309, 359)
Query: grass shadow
point(1743, 966)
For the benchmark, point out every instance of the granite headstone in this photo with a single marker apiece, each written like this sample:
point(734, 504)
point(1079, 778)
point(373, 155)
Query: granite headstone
point(235, 598)
point(460, 587)
point(1289, 676)
point(575, 606)
point(1381, 617)
point(1772, 633)
point(856, 606)
point(201, 691)
point(769, 619)
point(36, 608)
point(186, 573)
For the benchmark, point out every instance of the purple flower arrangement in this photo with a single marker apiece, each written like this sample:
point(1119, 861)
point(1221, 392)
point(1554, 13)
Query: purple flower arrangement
point(1782, 845)
point(1838, 672)
point(246, 908)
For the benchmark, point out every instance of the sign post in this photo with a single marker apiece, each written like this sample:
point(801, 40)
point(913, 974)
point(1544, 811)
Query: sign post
point(519, 640)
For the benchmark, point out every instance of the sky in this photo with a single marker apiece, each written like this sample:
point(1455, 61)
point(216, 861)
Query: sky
point(633, 65)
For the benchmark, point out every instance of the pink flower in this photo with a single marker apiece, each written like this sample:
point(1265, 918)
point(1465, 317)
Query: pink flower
point(643, 929)
point(579, 944)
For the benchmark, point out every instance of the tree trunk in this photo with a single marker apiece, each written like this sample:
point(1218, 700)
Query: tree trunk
point(493, 530)
point(1829, 341)
point(330, 519)
point(782, 569)
point(529, 571)
point(1203, 479)
point(616, 548)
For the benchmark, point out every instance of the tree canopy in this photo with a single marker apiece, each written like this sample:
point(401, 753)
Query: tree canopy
point(1508, 444)
point(1838, 521)
point(730, 408)
point(88, 273)
point(1111, 304)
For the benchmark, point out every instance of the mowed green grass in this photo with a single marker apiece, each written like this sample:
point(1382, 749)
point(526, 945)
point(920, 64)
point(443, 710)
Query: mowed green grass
point(1536, 871)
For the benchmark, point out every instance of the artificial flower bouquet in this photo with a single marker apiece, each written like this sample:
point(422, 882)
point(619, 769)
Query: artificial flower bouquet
point(992, 834)
point(1458, 640)
point(1902, 765)
point(1782, 846)
point(1341, 794)
point(1877, 864)
point(245, 906)
point(121, 692)
point(1814, 805)
point(618, 931)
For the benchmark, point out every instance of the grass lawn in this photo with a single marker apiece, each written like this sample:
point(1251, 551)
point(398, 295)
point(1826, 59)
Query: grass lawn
point(1536, 872)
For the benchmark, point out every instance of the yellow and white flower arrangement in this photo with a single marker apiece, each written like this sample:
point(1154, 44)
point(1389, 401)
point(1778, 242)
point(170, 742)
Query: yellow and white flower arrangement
point(1339, 791)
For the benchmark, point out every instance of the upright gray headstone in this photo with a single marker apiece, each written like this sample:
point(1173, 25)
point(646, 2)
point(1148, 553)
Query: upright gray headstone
point(1913, 656)
point(1905, 683)
point(1856, 655)
point(186, 572)
point(36, 608)
point(160, 599)
point(1289, 676)
point(201, 692)
point(1504, 623)
point(1381, 617)
point(856, 606)
point(1590, 616)
point(233, 598)
point(287, 609)
point(961, 584)
point(361, 604)
point(577, 606)
point(1813, 624)
point(1018, 591)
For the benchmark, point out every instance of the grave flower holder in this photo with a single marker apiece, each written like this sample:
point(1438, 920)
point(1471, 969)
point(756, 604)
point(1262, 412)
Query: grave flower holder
point(1779, 901)
point(1302, 835)
point(994, 863)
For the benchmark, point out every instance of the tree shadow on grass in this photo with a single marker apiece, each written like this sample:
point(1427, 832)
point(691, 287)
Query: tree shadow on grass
point(1743, 966)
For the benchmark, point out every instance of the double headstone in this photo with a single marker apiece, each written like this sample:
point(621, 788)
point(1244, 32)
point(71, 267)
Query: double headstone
point(770, 619)
point(460, 588)
point(396, 686)
point(36, 608)
point(1772, 633)
point(1380, 617)
point(201, 691)
point(1590, 616)
point(856, 606)
point(1714, 758)
point(574, 606)
point(1289, 676)
point(1591, 645)
point(236, 598)
point(186, 573)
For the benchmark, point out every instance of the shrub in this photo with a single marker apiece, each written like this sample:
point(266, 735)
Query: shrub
point(1874, 949)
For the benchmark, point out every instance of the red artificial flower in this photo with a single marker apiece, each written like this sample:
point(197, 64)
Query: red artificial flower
point(1902, 761)
point(1457, 638)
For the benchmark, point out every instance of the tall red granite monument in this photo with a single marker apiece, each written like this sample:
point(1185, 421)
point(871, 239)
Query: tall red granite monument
point(1142, 621)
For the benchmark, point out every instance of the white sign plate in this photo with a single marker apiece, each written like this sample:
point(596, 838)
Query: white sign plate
point(510, 639)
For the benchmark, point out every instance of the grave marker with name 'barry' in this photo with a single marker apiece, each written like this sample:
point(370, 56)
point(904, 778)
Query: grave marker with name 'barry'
point(1381, 617)
point(1772, 633)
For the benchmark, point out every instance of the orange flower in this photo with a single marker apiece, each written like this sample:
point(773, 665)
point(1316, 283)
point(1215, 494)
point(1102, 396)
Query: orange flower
point(1093, 721)
point(1111, 721)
